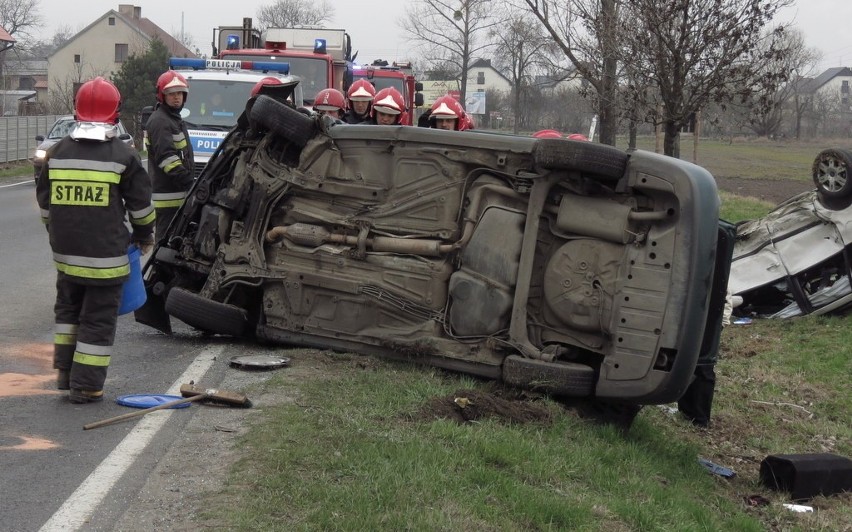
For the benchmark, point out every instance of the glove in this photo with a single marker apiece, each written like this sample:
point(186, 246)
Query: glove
point(144, 245)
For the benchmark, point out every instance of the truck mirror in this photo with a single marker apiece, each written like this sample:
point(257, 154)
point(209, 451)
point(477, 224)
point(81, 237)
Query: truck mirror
point(418, 87)
point(418, 99)
point(146, 114)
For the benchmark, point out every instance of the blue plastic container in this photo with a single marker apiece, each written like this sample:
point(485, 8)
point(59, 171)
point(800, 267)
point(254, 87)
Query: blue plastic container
point(133, 292)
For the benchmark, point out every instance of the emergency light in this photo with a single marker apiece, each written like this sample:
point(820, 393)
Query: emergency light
point(319, 46)
point(228, 64)
point(233, 42)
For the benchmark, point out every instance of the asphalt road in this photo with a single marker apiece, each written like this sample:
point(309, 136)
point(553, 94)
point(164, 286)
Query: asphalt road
point(53, 472)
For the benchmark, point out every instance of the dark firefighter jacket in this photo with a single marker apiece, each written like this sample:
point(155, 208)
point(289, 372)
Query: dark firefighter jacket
point(350, 117)
point(84, 190)
point(169, 157)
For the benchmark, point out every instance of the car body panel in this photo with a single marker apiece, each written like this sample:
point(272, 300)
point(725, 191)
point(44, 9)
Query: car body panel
point(454, 249)
point(794, 260)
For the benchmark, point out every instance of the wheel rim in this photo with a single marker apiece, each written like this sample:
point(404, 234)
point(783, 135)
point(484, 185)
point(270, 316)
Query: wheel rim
point(832, 174)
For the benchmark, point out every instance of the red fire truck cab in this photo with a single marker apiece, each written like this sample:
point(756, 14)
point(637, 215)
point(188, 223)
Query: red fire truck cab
point(398, 76)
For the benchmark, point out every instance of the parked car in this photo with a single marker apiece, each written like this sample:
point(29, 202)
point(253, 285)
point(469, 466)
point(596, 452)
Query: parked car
point(797, 259)
point(60, 128)
point(564, 266)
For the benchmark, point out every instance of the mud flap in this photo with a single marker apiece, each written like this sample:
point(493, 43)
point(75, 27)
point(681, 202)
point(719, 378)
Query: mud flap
point(153, 312)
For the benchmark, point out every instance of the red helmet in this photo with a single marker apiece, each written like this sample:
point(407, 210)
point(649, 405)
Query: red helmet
point(361, 91)
point(577, 136)
point(388, 101)
point(330, 100)
point(267, 81)
point(98, 100)
point(169, 82)
point(448, 108)
point(547, 134)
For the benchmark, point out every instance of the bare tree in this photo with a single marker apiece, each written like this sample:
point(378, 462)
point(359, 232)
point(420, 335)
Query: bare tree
point(794, 61)
point(682, 54)
point(450, 31)
point(586, 33)
point(18, 17)
point(520, 44)
point(292, 13)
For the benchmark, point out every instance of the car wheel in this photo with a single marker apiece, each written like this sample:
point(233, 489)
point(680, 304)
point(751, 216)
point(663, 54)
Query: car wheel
point(831, 173)
point(206, 314)
point(582, 156)
point(283, 120)
point(557, 378)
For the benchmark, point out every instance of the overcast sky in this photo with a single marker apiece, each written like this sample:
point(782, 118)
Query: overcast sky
point(372, 24)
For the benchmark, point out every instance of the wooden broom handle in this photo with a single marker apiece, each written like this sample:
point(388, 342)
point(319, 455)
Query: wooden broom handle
point(138, 413)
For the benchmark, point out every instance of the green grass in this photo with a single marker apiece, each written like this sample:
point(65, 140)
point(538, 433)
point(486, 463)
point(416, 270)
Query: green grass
point(353, 451)
point(737, 208)
point(16, 169)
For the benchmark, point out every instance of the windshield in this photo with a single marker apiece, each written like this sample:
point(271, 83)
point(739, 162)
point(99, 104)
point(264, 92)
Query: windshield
point(312, 71)
point(216, 103)
point(61, 128)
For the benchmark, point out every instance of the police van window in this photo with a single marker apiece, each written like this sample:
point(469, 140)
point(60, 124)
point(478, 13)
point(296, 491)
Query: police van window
point(216, 103)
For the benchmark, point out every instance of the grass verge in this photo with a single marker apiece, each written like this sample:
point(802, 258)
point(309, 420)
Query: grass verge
point(360, 449)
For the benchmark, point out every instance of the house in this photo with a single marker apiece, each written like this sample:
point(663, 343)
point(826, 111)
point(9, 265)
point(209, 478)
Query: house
point(482, 77)
point(832, 84)
point(827, 102)
point(102, 46)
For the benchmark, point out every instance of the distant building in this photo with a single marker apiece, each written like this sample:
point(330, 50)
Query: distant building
point(102, 46)
point(827, 102)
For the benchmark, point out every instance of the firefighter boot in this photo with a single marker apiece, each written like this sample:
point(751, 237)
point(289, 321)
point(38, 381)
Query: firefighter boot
point(63, 379)
point(80, 397)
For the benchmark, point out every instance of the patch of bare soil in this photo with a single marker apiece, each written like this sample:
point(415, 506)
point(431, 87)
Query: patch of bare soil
point(467, 406)
point(771, 190)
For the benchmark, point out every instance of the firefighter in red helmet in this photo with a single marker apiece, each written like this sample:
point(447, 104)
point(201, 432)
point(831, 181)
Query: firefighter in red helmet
point(89, 182)
point(170, 158)
point(388, 106)
point(448, 113)
point(360, 96)
point(330, 102)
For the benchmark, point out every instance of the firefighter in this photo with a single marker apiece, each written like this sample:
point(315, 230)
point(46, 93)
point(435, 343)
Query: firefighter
point(388, 106)
point(90, 179)
point(360, 96)
point(447, 113)
point(330, 102)
point(170, 161)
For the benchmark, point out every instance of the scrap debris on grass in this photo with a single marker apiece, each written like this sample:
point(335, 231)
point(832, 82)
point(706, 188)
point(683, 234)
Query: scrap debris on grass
point(471, 406)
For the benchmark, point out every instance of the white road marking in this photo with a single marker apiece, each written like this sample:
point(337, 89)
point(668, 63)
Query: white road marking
point(27, 182)
point(81, 505)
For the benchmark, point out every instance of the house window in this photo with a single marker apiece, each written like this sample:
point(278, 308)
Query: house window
point(844, 88)
point(480, 78)
point(120, 53)
point(111, 21)
point(76, 58)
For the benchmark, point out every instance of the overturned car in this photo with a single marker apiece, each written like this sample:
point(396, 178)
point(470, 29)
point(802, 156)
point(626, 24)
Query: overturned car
point(562, 266)
point(797, 259)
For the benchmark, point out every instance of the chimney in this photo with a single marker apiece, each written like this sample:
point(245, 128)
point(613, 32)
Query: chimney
point(130, 11)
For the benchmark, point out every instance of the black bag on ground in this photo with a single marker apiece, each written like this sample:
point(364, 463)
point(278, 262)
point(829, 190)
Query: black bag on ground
point(807, 475)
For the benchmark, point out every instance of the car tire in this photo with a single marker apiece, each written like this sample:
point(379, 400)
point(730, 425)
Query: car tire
point(582, 156)
point(556, 378)
point(206, 314)
point(283, 120)
point(831, 170)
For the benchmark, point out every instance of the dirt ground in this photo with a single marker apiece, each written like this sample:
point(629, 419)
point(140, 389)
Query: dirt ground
point(771, 190)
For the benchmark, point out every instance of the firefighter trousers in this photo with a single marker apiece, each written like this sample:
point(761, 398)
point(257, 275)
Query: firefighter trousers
point(86, 318)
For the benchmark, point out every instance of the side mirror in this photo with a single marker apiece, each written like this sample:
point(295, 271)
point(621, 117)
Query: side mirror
point(124, 136)
point(418, 99)
point(39, 138)
point(418, 87)
point(146, 114)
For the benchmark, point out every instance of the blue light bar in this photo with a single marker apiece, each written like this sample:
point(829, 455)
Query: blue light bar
point(228, 64)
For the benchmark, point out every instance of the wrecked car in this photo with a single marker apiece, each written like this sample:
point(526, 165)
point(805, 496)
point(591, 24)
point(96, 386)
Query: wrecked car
point(796, 259)
point(563, 266)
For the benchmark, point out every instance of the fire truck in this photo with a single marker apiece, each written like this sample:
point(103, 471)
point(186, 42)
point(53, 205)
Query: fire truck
point(398, 76)
point(321, 57)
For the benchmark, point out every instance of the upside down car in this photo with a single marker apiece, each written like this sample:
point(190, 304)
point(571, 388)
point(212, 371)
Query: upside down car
point(562, 266)
point(797, 259)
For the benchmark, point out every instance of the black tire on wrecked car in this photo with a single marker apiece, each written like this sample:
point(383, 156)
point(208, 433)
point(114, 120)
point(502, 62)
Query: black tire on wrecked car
point(831, 170)
point(206, 314)
point(283, 120)
point(582, 156)
point(557, 378)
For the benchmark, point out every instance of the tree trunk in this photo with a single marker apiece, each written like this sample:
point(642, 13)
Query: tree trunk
point(608, 103)
point(517, 105)
point(671, 142)
point(632, 133)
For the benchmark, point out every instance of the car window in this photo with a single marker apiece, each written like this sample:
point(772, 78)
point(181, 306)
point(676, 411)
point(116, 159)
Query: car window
point(61, 128)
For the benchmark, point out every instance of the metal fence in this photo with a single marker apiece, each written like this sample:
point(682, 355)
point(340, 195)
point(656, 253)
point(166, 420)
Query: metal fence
point(17, 135)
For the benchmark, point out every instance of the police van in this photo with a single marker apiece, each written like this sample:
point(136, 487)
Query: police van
point(218, 92)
